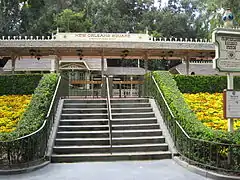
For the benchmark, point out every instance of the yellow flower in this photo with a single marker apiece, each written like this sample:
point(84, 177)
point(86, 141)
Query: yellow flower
point(209, 109)
point(12, 108)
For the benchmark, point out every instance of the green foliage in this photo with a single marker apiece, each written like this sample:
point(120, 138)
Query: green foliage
point(180, 109)
point(19, 84)
point(30, 17)
point(70, 21)
point(206, 146)
point(210, 84)
point(37, 110)
point(9, 17)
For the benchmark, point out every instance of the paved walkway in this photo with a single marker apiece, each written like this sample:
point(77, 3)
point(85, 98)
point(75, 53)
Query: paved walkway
point(125, 170)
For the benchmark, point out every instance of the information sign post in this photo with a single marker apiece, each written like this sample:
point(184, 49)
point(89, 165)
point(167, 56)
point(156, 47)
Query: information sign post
point(231, 104)
point(227, 58)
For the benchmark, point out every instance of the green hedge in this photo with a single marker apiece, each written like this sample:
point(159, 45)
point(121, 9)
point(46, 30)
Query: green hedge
point(183, 113)
point(37, 110)
point(206, 148)
point(19, 84)
point(196, 84)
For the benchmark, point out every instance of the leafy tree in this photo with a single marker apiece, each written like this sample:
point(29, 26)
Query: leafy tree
point(69, 21)
point(9, 17)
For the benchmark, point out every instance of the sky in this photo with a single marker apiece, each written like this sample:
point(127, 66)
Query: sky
point(164, 3)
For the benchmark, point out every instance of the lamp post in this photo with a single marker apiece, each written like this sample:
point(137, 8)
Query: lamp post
point(228, 24)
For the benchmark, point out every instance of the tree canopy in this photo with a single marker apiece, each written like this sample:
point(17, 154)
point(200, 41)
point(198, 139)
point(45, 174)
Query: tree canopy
point(179, 19)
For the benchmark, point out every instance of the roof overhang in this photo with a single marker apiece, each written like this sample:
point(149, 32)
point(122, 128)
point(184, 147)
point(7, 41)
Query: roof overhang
point(95, 49)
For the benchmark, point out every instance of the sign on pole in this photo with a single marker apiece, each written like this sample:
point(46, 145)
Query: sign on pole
point(231, 103)
point(227, 43)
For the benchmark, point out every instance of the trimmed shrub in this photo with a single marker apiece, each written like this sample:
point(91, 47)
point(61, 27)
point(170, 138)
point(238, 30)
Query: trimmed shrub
point(182, 111)
point(210, 84)
point(20, 84)
point(37, 110)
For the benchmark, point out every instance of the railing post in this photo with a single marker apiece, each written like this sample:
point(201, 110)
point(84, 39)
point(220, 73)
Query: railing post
point(109, 114)
point(110, 80)
point(103, 89)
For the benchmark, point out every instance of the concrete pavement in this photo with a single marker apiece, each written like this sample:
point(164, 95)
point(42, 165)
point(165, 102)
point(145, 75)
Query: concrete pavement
point(121, 170)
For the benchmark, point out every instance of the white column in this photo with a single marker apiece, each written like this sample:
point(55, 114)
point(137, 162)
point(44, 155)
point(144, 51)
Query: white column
point(87, 75)
point(57, 62)
point(230, 86)
point(187, 65)
point(146, 62)
point(102, 64)
point(131, 91)
point(53, 65)
point(103, 93)
point(13, 64)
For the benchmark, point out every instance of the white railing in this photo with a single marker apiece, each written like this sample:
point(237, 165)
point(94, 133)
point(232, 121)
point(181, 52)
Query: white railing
point(151, 39)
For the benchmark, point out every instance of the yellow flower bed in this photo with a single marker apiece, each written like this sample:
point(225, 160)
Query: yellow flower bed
point(209, 109)
point(12, 108)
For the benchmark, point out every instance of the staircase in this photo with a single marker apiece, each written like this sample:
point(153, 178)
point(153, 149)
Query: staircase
point(83, 132)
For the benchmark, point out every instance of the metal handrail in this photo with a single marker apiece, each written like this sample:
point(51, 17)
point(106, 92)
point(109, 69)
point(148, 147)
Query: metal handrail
point(109, 113)
point(178, 124)
point(48, 114)
point(54, 97)
point(205, 153)
point(31, 149)
point(160, 92)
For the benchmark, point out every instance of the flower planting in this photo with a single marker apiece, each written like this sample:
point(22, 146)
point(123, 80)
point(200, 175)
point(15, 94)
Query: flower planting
point(12, 108)
point(209, 109)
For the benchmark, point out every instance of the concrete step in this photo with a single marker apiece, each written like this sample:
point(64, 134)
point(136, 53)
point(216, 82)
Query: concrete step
point(85, 101)
point(83, 128)
point(122, 121)
point(136, 133)
point(84, 105)
point(138, 140)
point(56, 158)
point(130, 100)
point(133, 115)
point(131, 110)
point(83, 122)
point(81, 141)
point(83, 110)
point(82, 134)
point(130, 105)
point(106, 148)
point(85, 116)
point(81, 149)
point(135, 126)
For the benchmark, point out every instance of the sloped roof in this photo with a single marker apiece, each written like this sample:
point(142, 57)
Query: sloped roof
point(29, 65)
point(197, 68)
point(91, 63)
point(125, 71)
point(45, 64)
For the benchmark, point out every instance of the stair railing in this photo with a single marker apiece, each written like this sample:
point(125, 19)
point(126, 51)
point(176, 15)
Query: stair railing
point(30, 150)
point(203, 153)
point(109, 114)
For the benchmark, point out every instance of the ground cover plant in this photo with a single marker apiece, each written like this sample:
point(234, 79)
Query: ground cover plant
point(208, 108)
point(194, 140)
point(35, 113)
point(12, 108)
